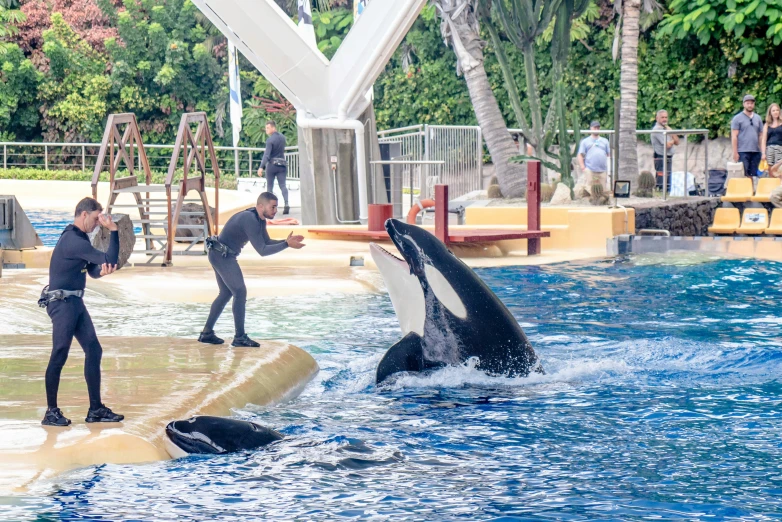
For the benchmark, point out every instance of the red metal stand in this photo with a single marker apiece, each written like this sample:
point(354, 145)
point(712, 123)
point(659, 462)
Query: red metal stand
point(441, 212)
point(533, 206)
point(378, 214)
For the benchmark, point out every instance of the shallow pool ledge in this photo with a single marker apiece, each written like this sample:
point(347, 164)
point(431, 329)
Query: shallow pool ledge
point(151, 380)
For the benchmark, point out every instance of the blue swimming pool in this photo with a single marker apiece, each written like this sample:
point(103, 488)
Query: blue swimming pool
point(50, 224)
point(661, 400)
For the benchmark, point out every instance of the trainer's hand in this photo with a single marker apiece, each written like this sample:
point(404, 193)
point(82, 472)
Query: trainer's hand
point(735, 157)
point(106, 269)
point(260, 172)
point(107, 222)
point(295, 241)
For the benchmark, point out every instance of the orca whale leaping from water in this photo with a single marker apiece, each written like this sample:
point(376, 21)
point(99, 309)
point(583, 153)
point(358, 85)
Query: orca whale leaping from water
point(215, 435)
point(447, 313)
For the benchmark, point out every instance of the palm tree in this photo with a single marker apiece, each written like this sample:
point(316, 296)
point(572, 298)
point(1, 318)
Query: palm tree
point(628, 88)
point(461, 31)
point(630, 14)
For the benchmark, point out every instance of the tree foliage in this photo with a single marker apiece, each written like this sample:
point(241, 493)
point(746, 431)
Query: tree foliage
point(756, 25)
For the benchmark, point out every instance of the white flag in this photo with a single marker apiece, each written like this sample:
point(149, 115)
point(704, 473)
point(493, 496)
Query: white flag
point(306, 29)
point(236, 93)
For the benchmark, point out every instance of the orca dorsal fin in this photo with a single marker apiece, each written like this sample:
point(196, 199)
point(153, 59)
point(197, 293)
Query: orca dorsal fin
point(407, 355)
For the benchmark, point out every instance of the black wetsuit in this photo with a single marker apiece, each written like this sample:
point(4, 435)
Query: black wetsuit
point(275, 149)
point(73, 258)
point(241, 228)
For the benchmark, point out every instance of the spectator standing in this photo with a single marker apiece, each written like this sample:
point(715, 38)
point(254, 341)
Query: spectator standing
point(664, 146)
point(593, 153)
point(745, 130)
point(771, 139)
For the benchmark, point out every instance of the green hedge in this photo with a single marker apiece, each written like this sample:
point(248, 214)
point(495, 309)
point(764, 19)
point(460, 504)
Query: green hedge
point(226, 181)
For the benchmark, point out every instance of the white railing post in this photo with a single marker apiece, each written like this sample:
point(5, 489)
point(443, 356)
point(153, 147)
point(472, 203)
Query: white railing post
point(46, 157)
point(83, 160)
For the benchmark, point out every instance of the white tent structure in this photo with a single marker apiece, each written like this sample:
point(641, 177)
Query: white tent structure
point(326, 94)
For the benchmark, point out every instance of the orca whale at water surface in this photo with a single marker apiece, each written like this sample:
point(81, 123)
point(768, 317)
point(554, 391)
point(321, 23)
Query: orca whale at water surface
point(215, 435)
point(447, 313)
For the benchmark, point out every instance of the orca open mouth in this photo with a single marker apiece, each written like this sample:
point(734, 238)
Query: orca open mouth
point(383, 251)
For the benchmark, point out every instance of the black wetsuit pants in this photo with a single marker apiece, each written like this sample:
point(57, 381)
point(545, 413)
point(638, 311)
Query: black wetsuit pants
point(70, 319)
point(279, 173)
point(231, 283)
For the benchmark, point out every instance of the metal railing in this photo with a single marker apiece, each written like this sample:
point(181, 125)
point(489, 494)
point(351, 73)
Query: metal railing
point(411, 141)
point(665, 132)
point(438, 154)
point(459, 148)
point(82, 156)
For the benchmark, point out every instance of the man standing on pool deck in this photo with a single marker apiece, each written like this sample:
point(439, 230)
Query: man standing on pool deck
point(274, 162)
point(73, 258)
point(248, 225)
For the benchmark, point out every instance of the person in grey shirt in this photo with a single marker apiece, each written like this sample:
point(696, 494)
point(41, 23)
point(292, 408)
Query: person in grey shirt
point(593, 153)
point(664, 145)
point(274, 163)
point(745, 132)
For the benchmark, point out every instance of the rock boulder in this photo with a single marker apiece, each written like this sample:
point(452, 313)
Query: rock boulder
point(192, 220)
point(561, 195)
point(127, 237)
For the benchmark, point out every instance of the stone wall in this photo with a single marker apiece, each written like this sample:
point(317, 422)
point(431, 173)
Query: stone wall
point(690, 217)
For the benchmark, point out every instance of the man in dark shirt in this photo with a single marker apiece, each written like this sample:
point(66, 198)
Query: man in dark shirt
point(73, 258)
point(248, 225)
point(274, 163)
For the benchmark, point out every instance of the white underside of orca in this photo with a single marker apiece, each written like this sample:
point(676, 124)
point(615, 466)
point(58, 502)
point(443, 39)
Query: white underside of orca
point(403, 288)
point(173, 450)
point(406, 293)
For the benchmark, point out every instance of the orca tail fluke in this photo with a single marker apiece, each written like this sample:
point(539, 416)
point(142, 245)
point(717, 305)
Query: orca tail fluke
point(405, 356)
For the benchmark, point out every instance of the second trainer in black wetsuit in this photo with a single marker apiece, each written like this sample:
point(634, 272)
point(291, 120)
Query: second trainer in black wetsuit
point(72, 259)
point(246, 226)
point(274, 164)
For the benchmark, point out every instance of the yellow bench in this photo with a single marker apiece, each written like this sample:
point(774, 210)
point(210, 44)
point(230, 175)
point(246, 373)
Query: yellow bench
point(739, 190)
point(775, 227)
point(754, 221)
point(765, 186)
point(726, 221)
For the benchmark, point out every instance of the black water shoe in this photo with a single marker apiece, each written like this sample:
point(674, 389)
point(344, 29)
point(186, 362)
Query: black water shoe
point(286, 209)
point(245, 342)
point(103, 414)
point(54, 417)
point(209, 338)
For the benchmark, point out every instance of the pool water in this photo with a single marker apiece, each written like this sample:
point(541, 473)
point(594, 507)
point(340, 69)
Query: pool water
point(50, 224)
point(661, 399)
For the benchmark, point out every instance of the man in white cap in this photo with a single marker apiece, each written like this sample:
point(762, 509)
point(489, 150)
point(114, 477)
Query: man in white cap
point(745, 132)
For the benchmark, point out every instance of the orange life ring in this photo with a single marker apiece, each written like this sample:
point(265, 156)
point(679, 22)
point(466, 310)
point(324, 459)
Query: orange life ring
point(418, 207)
point(283, 221)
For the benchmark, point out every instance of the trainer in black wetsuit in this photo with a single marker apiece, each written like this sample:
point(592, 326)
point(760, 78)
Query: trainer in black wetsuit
point(248, 225)
point(273, 163)
point(73, 258)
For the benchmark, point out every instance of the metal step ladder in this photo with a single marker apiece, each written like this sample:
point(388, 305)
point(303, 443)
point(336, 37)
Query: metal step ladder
point(152, 205)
